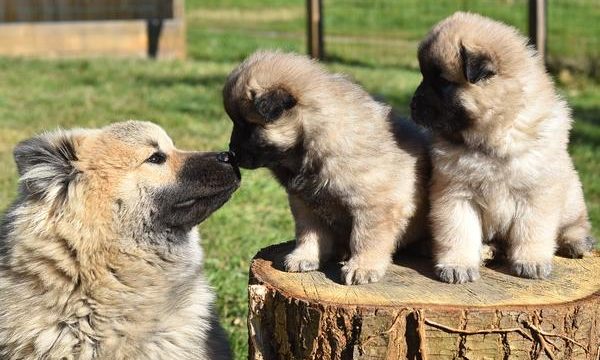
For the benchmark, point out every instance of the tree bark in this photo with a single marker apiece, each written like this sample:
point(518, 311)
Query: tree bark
point(410, 315)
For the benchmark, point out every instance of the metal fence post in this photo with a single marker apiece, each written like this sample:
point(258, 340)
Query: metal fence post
point(537, 25)
point(315, 28)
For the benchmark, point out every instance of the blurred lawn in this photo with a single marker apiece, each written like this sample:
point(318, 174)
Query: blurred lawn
point(385, 32)
point(185, 98)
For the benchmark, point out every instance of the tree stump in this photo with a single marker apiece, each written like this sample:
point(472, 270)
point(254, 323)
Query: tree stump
point(410, 315)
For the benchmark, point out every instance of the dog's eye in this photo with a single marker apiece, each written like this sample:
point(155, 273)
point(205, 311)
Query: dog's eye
point(157, 158)
point(444, 82)
point(445, 85)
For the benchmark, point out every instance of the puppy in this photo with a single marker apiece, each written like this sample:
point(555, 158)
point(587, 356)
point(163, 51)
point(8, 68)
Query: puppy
point(354, 187)
point(99, 255)
point(501, 171)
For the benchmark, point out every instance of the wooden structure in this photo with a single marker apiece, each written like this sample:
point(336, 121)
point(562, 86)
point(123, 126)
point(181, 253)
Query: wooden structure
point(84, 28)
point(410, 315)
point(537, 25)
point(314, 11)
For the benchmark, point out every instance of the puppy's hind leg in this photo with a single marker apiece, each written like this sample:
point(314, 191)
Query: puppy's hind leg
point(575, 239)
point(314, 241)
point(457, 239)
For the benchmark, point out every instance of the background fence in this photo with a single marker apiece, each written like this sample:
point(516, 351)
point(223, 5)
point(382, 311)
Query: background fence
point(387, 31)
point(67, 10)
point(574, 35)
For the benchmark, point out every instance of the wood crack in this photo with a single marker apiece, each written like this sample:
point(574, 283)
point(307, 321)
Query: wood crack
point(538, 333)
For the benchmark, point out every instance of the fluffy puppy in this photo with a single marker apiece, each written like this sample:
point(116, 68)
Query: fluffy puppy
point(501, 170)
point(99, 254)
point(355, 178)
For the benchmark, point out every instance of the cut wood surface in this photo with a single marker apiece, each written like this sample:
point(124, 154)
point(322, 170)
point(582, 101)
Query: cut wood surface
point(409, 314)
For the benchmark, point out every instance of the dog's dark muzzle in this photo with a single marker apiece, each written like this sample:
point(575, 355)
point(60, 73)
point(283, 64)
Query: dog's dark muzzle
point(228, 157)
point(205, 182)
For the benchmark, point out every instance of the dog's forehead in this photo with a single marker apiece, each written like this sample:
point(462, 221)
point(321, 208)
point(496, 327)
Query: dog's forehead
point(440, 56)
point(265, 69)
point(440, 52)
point(139, 133)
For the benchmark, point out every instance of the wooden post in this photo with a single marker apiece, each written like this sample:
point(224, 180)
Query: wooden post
point(411, 315)
point(537, 25)
point(315, 28)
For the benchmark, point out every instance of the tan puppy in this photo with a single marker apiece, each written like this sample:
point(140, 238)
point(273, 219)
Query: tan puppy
point(99, 255)
point(501, 167)
point(353, 186)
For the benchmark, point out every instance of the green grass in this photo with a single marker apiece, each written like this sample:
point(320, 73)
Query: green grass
point(185, 98)
point(386, 32)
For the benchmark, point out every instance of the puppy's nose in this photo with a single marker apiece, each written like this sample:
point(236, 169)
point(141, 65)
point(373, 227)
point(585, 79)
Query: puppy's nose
point(226, 157)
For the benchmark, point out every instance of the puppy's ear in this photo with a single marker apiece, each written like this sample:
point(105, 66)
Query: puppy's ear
point(273, 103)
point(45, 165)
point(476, 66)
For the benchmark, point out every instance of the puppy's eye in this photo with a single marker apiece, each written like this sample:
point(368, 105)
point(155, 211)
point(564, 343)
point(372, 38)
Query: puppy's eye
point(444, 82)
point(157, 158)
point(445, 85)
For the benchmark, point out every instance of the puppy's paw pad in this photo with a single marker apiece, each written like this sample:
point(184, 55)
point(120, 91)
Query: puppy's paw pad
point(456, 274)
point(532, 270)
point(355, 275)
point(294, 263)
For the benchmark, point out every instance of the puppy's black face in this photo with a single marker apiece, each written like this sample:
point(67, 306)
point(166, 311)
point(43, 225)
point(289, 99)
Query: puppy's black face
point(262, 135)
point(436, 104)
point(252, 147)
point(205, 182)
point(438, 101)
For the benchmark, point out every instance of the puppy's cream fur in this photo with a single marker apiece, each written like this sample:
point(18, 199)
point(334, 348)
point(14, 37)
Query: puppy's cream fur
point(501, 170)
point(355, 177)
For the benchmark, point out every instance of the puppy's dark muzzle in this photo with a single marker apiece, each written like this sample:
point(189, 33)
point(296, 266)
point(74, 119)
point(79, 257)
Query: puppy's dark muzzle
point(243, 157)
point(418, 107)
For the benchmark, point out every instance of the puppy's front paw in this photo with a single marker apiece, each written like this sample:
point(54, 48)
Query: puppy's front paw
point(355, 274)
point(456, 274)
point(532, 270)
point(299, 262)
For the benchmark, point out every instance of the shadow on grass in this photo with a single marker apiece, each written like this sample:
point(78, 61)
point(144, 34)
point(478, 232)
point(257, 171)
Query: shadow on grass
point(160, 80)
point(336, 59)
point(587, 129)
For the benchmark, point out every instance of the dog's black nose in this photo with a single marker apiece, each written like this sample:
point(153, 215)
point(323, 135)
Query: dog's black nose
point(226, 157)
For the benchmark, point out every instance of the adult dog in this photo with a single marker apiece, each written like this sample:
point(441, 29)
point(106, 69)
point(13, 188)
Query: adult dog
point(99, 254)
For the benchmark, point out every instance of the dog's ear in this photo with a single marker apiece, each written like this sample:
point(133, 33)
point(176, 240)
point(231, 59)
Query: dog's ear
point(273, 103)
point(476, 66)
point(46, 165)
